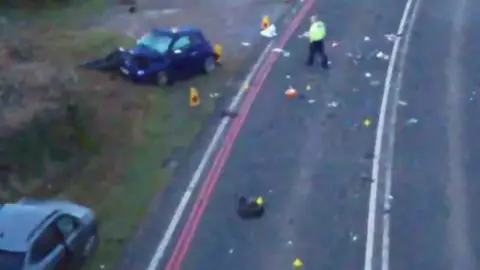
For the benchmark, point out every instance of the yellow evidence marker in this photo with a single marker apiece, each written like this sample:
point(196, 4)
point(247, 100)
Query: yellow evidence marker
point(194, 97)
point(297, 263)
point(259, 201)
point(265, 22)
point(367, 122)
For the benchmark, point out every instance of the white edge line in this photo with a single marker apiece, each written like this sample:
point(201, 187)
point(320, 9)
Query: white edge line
point(391, 143)
point(172, 226)
point(372, 205)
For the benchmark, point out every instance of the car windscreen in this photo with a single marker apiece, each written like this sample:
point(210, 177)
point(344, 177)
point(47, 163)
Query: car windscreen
point(157, 42)
point(11, 260)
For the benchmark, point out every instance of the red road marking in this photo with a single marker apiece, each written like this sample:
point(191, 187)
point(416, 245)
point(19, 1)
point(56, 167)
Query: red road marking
point(188, 231)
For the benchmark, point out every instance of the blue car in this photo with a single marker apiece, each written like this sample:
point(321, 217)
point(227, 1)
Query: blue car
point(167, 55)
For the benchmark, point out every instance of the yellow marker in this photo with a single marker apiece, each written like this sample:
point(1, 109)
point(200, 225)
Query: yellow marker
point(259, 201)
point(367, 122)
point(309, 87)
point(265, 22)
point(218, 50)
point(194, 97)
point(297, 263)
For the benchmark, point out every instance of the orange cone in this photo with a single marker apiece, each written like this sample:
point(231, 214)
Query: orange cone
point(291, 92)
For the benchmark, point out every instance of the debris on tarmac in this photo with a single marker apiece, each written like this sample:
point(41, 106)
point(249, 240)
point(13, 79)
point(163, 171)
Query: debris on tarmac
point(412, 121)
point(382, 55)
point(391, 37)
point(269, 32)
point(249, 208)
point(230, 251)
point(291, 92)
point(402, 103)
point(229, 113)
point(246, 44)
point(367, 122)
point(332, 104)
point(214, 95)
point(366, 178)
point(354, 237)
point(366, 38)
point(334, 44)
point(311, 101)
point(288, 76)
point(308, 88)
point(282, 51)
point(304, 35)
point(368, 75)
point(297, 263)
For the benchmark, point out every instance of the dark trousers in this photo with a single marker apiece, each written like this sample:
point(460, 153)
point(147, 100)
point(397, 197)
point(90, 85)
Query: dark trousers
point(317, 47)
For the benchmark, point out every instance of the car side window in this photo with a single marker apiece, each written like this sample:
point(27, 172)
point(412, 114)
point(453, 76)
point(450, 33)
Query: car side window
point(46, 242)
point(195, 39)
point(181, 43)
point(67, 225)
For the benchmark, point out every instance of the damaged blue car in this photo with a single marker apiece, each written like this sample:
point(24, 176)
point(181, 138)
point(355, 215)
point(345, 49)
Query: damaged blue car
point(167, 55)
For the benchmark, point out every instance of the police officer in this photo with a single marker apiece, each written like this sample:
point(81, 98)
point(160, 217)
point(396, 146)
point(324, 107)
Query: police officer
point(316, 34)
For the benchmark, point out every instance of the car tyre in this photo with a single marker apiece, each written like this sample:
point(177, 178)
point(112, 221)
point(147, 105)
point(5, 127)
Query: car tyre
point(162, 78)
point(209, 64)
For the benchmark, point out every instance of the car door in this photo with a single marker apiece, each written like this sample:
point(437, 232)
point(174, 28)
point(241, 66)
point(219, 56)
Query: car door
point(48, 251)
point(196, 52)
point(180, 57)
point(75, 238)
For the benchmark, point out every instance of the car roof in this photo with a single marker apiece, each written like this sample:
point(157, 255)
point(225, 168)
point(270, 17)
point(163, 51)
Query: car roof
point(182, 29)
point(17, 222)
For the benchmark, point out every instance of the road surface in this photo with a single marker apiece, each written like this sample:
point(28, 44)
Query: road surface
point(311, 157)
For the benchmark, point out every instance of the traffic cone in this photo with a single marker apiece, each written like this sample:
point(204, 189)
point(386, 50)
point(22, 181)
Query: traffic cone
point(297, 263)
point(291, 92)
point(194, 97)
point(265, 22)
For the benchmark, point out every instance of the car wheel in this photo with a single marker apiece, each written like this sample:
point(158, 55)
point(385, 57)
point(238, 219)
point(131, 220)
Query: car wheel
point(209, 64)
point(162, 78)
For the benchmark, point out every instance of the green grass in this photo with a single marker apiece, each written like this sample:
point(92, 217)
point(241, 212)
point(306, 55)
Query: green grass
point(121, 194)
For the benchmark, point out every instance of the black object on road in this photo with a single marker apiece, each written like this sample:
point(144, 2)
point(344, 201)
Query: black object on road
point(111, 62)
point(248, 208)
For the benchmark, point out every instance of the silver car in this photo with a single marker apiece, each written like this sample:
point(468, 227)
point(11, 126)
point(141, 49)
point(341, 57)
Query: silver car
point(46, 235)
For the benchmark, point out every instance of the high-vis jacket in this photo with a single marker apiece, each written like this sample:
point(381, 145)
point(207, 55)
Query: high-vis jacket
point(317, 31)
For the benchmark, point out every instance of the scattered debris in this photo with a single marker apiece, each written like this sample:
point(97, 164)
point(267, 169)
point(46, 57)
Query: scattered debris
point(289, 243)
point(111, 62)
point(308, 87)
point(366, 38)
point(228, 113)
point(354, 237)
point(334, 44)
point(282, 51)
point(230, 251)
point(367, 122)
point(402, 103)
point(368, 75)
point(382, 55)
point(288, 76)
point(332, 104)
point(249, 208)
point(412, 121)
point(269, 32)
point(214, 95)
point(291, 92)
point(304, 35)
point(311, 101)
point(392, 37)
point(366, 178)
point(246, 44)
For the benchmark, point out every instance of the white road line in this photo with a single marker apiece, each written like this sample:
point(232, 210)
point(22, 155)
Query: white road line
point(172, 226)
point(381, 128)
point(391, 137)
